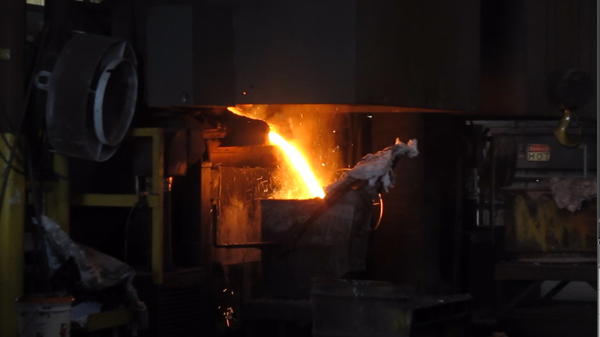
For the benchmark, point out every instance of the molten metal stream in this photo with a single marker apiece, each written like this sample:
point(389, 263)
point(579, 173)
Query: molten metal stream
point(295, 158)
point(299, 165)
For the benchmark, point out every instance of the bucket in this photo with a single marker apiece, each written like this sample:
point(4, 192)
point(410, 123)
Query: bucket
point(360, 308)
point(44, 316)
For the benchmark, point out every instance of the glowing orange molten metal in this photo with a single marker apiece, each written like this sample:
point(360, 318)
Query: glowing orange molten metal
point(302, 168)
point(294, 158)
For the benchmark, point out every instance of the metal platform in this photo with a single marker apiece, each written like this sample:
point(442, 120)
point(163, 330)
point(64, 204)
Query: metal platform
point(529, 314)
point(543, 269)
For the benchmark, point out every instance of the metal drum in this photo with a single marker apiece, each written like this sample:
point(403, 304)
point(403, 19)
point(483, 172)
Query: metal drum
point(92, 94)
point(361, 308)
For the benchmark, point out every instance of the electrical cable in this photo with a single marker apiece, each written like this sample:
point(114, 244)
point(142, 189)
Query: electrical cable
point(380, 204)
point(10, 160)
point(3, 137)
point(5, 160)
point(21, 122)
point(142, 203)
point(38, 229)
point(4, 114)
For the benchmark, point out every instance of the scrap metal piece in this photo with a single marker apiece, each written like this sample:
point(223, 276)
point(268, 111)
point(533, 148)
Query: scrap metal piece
point(570, 193)
point(96, 271)
point(377, 168)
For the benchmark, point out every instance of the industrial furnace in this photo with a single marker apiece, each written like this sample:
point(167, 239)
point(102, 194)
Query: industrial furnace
point(228, 168)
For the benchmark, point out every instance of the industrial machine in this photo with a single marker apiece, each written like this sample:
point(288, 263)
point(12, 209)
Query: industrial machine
point(158, 135)
point(536, 203)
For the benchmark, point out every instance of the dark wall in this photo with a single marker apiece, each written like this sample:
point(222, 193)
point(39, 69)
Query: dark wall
point(523, 43)
point(418, 53)
point(12, 40)
point(377, 53)
point(416, 240)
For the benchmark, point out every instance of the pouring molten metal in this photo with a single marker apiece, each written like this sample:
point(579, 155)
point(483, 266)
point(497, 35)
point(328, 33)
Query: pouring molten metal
point(294, 157)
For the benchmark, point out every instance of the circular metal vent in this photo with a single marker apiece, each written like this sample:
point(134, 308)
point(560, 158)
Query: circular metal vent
point(92, 94)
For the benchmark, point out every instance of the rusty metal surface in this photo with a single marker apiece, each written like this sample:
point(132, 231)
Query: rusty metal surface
point(239, 191)
point(534, 224)
point(245, 156)
point(335, 244)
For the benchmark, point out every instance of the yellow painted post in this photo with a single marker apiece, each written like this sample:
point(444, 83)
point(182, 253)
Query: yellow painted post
point(157, 191)
point(11, 244)
point(56, 203)
point(12, 207)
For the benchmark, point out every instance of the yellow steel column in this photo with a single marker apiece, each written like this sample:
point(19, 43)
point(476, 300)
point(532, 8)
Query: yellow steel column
point(158, 184)
point(11, 245)
point(57, 199)
point(12, 207)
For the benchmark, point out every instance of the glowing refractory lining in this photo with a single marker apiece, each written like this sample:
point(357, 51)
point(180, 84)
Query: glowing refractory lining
point(299, 164)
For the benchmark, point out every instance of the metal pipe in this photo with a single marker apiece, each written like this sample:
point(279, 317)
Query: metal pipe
point(381, 208)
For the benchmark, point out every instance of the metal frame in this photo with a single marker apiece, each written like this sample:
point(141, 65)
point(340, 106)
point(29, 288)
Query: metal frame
point(545, 271)
point(12, 221)
point(155, 200)
point(536, 274)
point(56, 199)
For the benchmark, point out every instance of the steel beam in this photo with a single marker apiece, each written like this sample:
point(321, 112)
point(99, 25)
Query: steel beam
point(158, 191)
point(12, 208)
point(546, 271)
point(56, 200)
point(11, 245)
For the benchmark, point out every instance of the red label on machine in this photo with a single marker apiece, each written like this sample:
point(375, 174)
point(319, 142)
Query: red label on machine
point(538, 152)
